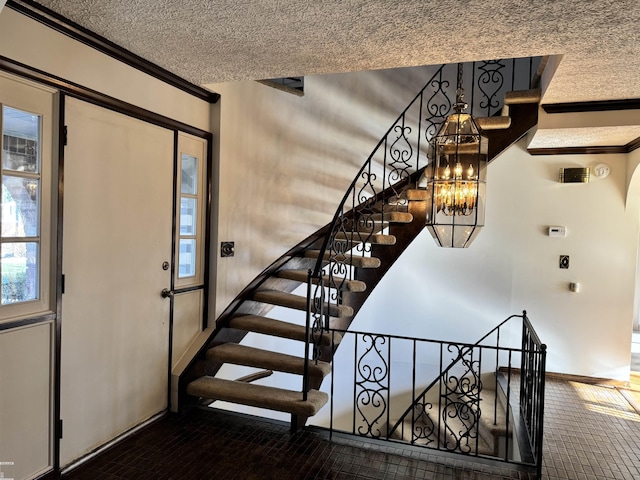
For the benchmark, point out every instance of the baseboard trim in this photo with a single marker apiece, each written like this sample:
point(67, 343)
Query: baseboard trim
point(569, 377)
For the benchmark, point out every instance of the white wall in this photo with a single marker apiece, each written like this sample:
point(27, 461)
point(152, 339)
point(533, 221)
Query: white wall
point(513, 266)
point(633, 208)
point(286, 161)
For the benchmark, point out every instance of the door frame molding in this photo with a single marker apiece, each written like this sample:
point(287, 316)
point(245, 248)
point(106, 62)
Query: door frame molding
point(65, 89)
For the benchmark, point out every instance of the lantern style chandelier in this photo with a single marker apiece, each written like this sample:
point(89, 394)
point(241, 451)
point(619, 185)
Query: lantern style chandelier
point(456, 177)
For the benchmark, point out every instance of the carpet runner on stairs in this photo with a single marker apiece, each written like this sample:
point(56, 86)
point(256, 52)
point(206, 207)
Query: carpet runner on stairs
point(260, 396)
point(254, 357)
point(289, 300)
point(278, 328)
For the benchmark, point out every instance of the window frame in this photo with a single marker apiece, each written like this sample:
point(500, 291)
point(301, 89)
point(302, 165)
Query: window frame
point(30, 97)
point(197, 148)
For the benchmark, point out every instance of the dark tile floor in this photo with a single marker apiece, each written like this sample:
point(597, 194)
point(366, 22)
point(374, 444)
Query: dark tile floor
point(591, 432)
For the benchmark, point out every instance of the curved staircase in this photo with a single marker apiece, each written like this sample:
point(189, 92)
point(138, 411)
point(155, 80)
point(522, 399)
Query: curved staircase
point(371, 229)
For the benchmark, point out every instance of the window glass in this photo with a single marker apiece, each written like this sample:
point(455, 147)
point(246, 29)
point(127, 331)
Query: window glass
point(20, 220)
point(19, 264)
point(188, 216)
point(19, 206)
point(20, 140)
point(189, 174)
point(187, 258)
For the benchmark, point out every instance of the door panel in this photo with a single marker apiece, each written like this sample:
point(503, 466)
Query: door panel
point(25, 395)
point(117, 234)
point(187, 322)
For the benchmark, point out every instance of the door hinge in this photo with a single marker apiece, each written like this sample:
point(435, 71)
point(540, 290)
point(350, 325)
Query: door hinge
point(62, 283)
point(60, 428)
point(64, 134)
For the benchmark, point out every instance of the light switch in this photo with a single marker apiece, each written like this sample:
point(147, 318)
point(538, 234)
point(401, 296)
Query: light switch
point(227, 249)
point(564, 261)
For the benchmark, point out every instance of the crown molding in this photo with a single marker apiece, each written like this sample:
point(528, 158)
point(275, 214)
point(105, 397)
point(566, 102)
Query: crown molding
point(609, 149)
point(595, 106)
point(81, 34)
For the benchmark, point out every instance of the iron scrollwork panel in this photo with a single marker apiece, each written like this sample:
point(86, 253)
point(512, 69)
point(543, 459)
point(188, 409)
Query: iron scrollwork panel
point(439, 105)
point(460, 397)
point(372, 385)
point(490, 83)
point(424, 429)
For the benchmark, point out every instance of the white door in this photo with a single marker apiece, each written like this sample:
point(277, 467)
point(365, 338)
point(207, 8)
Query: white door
point(118, 187)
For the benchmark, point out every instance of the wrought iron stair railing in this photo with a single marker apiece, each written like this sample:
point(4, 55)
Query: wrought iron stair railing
point(378, 191)
point(487, 399)
point(380, 195)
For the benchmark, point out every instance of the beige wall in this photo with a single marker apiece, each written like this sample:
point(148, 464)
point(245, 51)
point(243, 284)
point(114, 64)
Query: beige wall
point(43, 48)
point(286, 161)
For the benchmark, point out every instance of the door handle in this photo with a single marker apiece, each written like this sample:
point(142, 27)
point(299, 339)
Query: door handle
point(166, 293)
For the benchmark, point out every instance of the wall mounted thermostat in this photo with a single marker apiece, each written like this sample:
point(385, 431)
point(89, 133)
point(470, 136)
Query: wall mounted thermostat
point(557, 231)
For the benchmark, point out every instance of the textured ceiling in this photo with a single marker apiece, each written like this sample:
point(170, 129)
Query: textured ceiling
point(585, 137)
point(212, 41)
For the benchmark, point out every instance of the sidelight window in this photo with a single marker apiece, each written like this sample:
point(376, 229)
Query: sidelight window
point(20, 218)
point(191, 209)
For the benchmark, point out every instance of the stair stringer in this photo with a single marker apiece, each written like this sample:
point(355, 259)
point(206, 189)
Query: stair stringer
point(524, 118)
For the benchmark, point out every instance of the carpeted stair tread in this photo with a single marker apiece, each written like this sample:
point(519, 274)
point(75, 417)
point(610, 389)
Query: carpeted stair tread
point(255, 357)
point(363, 237)
point(258, 396)
point(278, 328)
point(456, 425)
point(493, 123)
point(391, 217)
point(517, 97)
point(342, 284)
point(355, 260)
point(297, 302)
point(499, 429)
